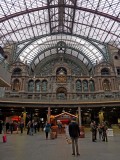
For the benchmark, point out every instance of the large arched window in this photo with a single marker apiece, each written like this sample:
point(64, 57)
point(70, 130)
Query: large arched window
point(91, 86)
point(16, 85)
point(61, 93)
point(106, 85)
point(44, 85)
point(17, 71)
point(37, 85)
point(78, 86)
point(31, 86)
point(85, 85)
point(105, 72)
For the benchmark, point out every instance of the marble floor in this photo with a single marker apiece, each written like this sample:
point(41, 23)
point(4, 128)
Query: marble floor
point(36, 147)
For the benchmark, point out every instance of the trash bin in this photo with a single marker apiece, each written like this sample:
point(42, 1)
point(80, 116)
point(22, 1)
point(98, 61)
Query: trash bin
point(82, 132)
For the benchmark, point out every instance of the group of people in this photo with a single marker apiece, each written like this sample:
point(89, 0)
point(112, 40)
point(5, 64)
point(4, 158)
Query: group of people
point(14, 126)
point(18, 127)
point(11, 126)
point(101, 129)
point(34, 127)
point(73, 130)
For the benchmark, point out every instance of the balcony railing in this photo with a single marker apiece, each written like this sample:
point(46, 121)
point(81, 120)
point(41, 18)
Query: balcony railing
point(86, 97)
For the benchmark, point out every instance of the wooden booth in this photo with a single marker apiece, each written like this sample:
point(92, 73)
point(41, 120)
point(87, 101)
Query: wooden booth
point(61, 120)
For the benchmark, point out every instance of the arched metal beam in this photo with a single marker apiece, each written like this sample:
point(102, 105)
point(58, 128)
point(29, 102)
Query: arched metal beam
point(117, 19)
point(86, 39)
point(65, 53)
point(11, 32)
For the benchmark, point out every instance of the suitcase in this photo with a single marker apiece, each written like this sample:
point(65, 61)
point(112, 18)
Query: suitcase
point(4, 139)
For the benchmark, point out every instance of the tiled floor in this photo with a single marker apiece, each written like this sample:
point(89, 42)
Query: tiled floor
point(25, 147)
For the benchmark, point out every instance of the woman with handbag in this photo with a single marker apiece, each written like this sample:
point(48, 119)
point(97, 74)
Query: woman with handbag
point(47, 129)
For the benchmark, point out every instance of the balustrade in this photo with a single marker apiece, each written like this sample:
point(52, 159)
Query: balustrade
point(70, 97)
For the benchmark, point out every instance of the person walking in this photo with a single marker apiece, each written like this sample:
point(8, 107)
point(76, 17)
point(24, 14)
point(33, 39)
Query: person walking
point(35, 126)
point(47, 129)
point(28, 127)
point(100, 131)
point(105, 138)
point(94, 131)
point(7, 127)
point(11, 126)
point(21, 127)
point(32, 127)
point(38, 126)
point(74, 132)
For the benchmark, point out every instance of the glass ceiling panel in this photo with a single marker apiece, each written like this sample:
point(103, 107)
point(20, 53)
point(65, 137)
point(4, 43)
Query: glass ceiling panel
point(68, 51)
point(36, 61)
point(74, 53)
point(47, 53)
point(106, 6)
point(1, 58)
point(85, 61)
point(54, 2)
point(22, 20)
point(53, 51)
point(102, 27)
point(85, 47)
point(80, 57)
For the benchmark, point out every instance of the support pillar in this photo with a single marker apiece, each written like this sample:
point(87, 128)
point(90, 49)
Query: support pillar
point(79, 116)
point(48, 115)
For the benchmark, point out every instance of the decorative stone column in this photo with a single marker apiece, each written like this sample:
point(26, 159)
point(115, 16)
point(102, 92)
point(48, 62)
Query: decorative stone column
point(100, 85)
point(79, 116)
point(113, 84)
point(22, 85)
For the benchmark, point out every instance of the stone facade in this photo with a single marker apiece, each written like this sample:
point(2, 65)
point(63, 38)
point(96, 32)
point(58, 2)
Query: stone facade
point(64, 78)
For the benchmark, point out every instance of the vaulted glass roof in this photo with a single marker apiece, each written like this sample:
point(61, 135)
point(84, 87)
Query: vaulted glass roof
point(95, 20)
point(78, 47)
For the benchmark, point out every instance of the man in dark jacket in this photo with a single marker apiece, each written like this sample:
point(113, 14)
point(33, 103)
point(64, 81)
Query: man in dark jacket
point(74, 132)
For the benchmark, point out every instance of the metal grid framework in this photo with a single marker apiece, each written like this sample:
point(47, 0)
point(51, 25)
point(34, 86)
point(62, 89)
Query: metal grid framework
point(75, 46)
point(23, 20)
